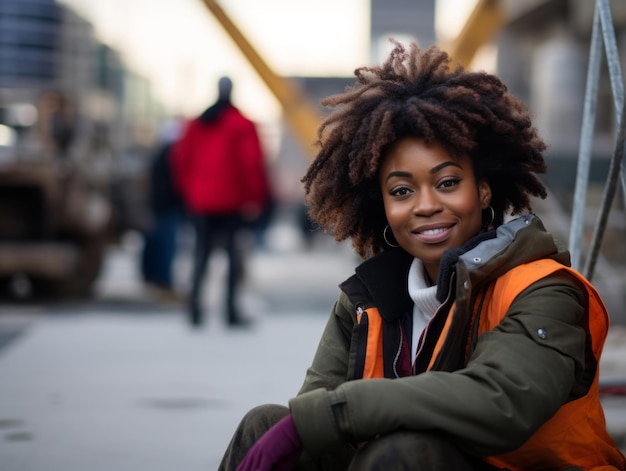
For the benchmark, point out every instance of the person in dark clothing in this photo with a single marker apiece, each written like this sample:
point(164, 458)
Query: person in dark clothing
point(221, 173)
point(167, 212)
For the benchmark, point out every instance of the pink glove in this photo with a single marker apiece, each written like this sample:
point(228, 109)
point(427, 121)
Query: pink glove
point(277, 450)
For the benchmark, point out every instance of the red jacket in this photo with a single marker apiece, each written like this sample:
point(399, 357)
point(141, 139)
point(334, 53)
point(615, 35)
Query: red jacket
point(219, 165)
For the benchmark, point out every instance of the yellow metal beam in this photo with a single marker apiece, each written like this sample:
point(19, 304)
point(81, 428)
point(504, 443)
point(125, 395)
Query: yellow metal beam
point(486, 19)
point(300, 113)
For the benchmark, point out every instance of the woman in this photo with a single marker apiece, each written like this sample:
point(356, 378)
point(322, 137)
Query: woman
point(461, 342)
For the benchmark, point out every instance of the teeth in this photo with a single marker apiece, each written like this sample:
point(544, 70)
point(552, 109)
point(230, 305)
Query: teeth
point(433, 232)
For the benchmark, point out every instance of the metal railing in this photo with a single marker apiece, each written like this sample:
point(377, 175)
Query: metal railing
point(602, 32)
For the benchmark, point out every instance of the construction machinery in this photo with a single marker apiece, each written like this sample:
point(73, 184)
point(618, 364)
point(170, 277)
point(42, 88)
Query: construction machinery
point(76, 126)
point(55, 224)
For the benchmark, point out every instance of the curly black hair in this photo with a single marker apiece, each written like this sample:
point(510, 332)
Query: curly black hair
point(418, 93)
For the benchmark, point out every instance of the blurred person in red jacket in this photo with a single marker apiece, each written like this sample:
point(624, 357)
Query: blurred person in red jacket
point(221, 172)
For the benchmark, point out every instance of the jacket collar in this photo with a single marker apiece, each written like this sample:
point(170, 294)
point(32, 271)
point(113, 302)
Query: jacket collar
point(382, 280)
point(519, 241)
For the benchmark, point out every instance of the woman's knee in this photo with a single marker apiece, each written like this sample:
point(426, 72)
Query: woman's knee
point(263, 417)
point(252, 427)
point(411, 451)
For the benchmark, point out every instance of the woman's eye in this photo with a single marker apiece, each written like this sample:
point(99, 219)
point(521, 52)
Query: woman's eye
point(402, 191)
point(449, 183)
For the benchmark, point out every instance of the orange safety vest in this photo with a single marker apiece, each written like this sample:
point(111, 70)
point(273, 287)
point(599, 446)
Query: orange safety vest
point(576, 435)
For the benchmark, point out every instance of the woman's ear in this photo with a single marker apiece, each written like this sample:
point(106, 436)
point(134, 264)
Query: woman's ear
point(484, 193)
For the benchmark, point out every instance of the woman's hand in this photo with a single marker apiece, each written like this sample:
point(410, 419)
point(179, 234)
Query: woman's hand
point(278, 449)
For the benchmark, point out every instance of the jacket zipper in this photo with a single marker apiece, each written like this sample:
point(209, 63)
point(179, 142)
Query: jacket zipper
point(424, 333)
point(398, 351)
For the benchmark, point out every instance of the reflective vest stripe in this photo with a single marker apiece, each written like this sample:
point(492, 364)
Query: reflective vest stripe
point(374, 366)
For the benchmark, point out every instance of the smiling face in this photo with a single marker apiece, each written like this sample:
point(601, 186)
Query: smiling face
point(432, 200)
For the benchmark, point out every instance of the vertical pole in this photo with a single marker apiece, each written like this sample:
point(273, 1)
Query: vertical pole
point(612, 57)
point(615, 74)
point(586, 137)
point(607, 200)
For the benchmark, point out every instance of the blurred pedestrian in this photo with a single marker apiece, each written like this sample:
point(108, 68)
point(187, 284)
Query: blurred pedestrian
point(57, 124)
point(166, 215)
point(308, 229)
point(221, 171)
point(464, 341)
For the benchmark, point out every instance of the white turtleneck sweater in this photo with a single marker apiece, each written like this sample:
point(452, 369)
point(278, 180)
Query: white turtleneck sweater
point(425, 302)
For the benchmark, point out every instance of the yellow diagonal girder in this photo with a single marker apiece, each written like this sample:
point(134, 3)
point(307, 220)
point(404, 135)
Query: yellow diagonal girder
point(300, 113)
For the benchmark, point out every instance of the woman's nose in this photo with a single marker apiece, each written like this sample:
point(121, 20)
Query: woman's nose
point(426, 202)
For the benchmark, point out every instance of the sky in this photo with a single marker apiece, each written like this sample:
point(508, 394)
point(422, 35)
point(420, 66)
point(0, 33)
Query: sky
point(183, 50)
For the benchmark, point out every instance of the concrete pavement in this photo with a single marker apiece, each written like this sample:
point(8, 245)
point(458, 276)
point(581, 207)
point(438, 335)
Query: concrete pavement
point(110, 392)
point(108, 387)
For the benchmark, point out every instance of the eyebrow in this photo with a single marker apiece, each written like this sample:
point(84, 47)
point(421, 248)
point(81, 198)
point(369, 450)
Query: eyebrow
point(433, 170)
point(398, 174)
point(443, 165)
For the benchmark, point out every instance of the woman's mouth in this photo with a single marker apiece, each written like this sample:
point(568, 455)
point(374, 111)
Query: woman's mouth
point(435, 235)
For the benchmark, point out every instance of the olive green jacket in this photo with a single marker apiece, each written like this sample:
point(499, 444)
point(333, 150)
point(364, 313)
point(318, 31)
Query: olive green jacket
point(512, 383)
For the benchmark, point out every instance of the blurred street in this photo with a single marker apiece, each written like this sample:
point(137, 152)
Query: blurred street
point(123, 383)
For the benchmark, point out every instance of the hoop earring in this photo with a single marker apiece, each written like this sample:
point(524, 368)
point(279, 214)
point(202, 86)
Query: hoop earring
point(493, 218)
point(385, 237)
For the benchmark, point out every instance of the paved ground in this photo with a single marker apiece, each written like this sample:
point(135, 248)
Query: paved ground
point(124, 384)
point(109, 392)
